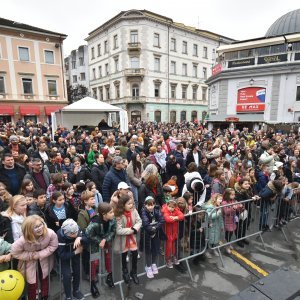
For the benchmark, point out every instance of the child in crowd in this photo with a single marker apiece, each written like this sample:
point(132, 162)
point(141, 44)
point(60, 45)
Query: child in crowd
point(189, 198)
point(66, 166)
point(230, 215)
point(91, 186)
point(172, 215)
point(5, 255)
point(4, 197)
point(171, 187)
point(88, 212)
point(215, 220)
point(71, 243)
point(70, 196)
point(152, 233)
point(57, 180)
point(34, 250)
point(39, 205)
point(26, 187)
point(128, 225)
point(58, 211)
point(17, 212)
point(101, 232)
point(29, 199)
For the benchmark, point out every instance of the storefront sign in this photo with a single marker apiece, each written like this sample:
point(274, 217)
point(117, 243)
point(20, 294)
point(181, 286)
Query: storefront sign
point(216, 69)
point(251, 95)
point(244, 108)
point(232, 119)
point(272, 59)
point(297, 56)
point(241, 63)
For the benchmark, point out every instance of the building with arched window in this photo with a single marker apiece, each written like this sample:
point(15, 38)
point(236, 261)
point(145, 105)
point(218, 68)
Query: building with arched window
point(257, 81)
point(160, 65)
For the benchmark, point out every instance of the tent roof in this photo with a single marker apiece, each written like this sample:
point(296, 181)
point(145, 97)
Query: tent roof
point(90, 105)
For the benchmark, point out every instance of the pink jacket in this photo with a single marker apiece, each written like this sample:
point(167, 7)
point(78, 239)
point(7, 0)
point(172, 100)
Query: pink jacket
point(229, 215)
point(24, 251)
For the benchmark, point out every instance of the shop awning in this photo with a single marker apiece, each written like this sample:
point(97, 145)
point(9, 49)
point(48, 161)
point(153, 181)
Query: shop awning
point(29, 110)
point(7, 110)
point(50, 109)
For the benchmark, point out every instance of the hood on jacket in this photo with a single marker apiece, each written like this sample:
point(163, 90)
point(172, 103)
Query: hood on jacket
point(189, 176)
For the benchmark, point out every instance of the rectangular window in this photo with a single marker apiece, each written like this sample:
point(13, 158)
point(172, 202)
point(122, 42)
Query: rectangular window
point(23, 54)
point(184, 89)
point(184, 47)
point(116, 65)
point(101, 93)
point(52, 87)
point(105, 47)
point(156, 40)
point(116, 42)
point(94, 91)
point(195, 89)
point(204, 92)
point(99, 49)
point(81, 61)
point(184, 69)
point(173, 91)
point(82, 76)
point(204, 72)
point(195, 50)
point(173, 44)
point(297, 96)
point(173, 67)
point(74, 78)
point(93, 53)
point(107, 93)
point(74, 64)
point(27, 86)
point(156, 64)
point(195, 70)
point(117, 92)
point(2, 87)
point(156, 90)
point(94, 73)
point(204, 52)
point(100, 71)
point(134, 36)
point(106, 69)
point(49, 57)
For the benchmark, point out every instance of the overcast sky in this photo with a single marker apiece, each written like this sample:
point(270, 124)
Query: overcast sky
point(238, 19)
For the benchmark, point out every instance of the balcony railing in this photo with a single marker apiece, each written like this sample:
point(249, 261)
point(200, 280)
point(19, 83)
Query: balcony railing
point(134, 72)
point(134, 47)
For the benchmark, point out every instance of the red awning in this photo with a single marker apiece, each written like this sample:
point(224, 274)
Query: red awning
point(50, 109)
point(29, 110)
point(7, 110)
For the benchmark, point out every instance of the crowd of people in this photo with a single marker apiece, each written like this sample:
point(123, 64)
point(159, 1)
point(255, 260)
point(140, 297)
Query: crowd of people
point(76, 192)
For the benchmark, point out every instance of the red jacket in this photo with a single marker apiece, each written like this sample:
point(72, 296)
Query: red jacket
point(171, 226)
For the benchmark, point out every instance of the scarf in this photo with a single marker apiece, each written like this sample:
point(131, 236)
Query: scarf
point(129, 238)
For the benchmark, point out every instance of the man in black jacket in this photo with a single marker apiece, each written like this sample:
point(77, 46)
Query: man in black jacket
point(11, 174)
point(99, 170)
point(79, 172)
point(194, 155)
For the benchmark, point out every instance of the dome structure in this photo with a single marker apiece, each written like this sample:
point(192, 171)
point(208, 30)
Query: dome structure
point(288, 23)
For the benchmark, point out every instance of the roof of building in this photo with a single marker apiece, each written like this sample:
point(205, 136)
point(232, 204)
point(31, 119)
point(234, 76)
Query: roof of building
point(17, 25)
point(134, 13)
point(288, 23)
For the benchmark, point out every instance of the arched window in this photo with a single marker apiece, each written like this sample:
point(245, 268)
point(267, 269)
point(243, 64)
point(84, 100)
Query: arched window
point(183, 116)
point(173, 116)
point(157, 116)
point(135, 91)
point(194, 115)
point(134, 62)
point(135, 116)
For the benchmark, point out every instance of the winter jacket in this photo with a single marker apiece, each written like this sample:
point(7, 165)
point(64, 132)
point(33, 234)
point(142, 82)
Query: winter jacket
point(171, 226)
point(44, 246)
point(269, 193)
point(215, 223)
point(83, 219)
point(190, 158)
point(46, 176)
point(98, 173)
point(5, 228)
point(122, 231)
point(267, 160)
point(241, 195)
point(111, 181)
point(91, 158)
point(262, 180)
point(5, 248)
point(34, 209)
point(95, 233)
point(217, 187)
point(145, 191)
point(135, 178)
point(16, 225)
point(230, 215)
point(4, 178)
point(84, 174)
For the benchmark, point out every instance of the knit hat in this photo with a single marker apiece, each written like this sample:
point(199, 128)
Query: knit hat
point(13, 138)
point(149, 198)
point(69, 226)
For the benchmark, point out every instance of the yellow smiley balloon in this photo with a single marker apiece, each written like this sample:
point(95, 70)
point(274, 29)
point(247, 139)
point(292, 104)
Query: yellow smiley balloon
point(11, 285)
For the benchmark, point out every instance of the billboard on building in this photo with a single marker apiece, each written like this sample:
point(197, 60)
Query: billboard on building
point(251, 99)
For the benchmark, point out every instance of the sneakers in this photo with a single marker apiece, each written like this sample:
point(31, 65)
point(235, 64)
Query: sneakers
point(154, 269)
point(169, 264)
point(78, 295)
point(176, 262)
point(149, 272)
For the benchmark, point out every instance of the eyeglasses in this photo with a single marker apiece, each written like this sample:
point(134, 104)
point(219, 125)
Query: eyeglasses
point(38, 227)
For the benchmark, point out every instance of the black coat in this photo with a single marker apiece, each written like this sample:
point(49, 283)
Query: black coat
point(20, 170)
point(34, 209)
point(84, 174)
point(190, 158)
point(5, 229)
point(145, 191)
point(98, 173)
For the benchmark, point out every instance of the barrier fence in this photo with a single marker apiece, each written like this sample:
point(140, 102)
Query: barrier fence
point(210, 230)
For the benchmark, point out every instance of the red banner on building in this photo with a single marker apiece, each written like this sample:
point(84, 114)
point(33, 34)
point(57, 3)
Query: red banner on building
point(216, 69)
point(251, 95)
point(259, 107)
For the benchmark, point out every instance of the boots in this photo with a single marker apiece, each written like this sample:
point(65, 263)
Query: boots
point(109, 280)
point(126, 276)
point(94, 290)
point(134, 277)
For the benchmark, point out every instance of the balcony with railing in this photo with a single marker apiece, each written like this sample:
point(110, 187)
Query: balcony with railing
point(134, 73)
point(134, 47)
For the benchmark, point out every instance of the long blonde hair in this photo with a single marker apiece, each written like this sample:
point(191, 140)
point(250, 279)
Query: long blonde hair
point(13, 202)
point(28, 228)
point(213, 199)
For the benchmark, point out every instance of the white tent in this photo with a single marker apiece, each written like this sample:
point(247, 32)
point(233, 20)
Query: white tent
point(88, 111)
